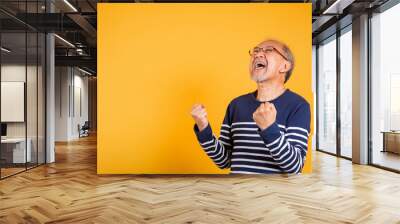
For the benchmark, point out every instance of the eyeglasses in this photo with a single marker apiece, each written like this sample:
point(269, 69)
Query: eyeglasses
point(267, 50)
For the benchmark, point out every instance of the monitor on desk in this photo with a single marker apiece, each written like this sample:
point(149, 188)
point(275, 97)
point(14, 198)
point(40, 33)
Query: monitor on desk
point(3, 130)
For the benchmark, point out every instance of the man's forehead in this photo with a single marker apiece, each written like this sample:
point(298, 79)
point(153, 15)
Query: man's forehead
point(270, 43)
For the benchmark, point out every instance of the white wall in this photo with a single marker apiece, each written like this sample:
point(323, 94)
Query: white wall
point(16, 72)
point(33, 127)
point(81, 84)
point(62, 80)
point(71, 87)
point(9, 73)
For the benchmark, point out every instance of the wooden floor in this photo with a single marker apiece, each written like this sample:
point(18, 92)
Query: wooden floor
point(69, 191)
point(387, 159)
point(5, 172)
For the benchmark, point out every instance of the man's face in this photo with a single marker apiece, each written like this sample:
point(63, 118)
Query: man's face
point(266, 63)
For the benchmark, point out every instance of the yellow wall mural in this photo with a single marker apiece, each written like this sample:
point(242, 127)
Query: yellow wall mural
point(156, 60)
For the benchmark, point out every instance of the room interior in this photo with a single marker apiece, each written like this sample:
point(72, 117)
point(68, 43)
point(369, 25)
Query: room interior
point(49, 130)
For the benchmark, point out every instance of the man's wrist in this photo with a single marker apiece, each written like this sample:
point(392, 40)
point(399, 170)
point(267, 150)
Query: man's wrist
point(201, 127)
point(204, 135)
point(263, 127)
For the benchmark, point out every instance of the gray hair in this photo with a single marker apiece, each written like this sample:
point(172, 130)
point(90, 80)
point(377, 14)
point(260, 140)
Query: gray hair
point(289, 55)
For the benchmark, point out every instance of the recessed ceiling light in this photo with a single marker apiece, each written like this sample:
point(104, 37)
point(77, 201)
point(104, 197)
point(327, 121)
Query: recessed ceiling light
point(64, 40)
point(84, 71)
point(70, 5)
point(5, 50)
point(337, 7)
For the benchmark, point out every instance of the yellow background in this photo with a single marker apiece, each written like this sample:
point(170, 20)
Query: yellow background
point(156, 60)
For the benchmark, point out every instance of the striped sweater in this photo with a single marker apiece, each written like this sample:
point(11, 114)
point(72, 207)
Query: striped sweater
point(244, 148)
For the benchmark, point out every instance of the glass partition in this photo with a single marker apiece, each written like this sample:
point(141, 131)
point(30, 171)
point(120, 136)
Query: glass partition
point(327, 96)
point(22, 77)
point(14, 153)
point(385, 89)
point(346, 93)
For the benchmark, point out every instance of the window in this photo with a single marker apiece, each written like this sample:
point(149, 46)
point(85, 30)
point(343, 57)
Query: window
point(327, 96)
point(385, 89)
point(346, 93)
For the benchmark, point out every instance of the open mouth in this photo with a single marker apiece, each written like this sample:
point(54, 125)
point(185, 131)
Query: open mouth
point(259, 65)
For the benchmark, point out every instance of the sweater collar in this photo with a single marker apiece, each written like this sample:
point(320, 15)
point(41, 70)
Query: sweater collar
point(254, 96)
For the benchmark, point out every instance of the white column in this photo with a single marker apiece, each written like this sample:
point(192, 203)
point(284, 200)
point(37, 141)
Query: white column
point(50, 92)
point(50, 100)
point(360, 90)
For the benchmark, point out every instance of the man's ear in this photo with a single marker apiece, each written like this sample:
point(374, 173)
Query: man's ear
point(285, 67)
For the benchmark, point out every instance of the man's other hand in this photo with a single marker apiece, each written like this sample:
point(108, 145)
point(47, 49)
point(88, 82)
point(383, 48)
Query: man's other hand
point(199, 115)
point(265, 115)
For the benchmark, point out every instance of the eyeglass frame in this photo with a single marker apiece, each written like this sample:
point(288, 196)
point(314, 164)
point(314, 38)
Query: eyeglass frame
point(269, 47)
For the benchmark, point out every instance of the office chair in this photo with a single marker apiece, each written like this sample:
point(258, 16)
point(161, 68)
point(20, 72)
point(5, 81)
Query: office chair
point(84, 130)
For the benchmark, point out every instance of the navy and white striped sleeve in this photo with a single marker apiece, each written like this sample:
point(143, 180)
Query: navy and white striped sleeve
point(219, 150)
point(289, 149)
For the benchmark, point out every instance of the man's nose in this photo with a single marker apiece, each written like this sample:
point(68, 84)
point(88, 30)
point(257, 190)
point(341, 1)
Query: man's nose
point(259, 54)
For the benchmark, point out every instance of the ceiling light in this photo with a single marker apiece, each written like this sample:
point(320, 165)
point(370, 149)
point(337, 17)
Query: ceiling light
point(84, 71)
point(337, 7)
point(64, 40)
point(70, 5)
point(5, 50)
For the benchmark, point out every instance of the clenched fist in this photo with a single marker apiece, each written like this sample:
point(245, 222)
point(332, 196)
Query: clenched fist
point(199, 115)
point(265, 115)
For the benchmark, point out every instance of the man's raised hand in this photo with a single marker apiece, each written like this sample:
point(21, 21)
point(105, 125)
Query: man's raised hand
point(199, 115)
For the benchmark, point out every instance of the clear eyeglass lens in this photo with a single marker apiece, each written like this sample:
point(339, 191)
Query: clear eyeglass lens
point(268, 50)
point(258, 49)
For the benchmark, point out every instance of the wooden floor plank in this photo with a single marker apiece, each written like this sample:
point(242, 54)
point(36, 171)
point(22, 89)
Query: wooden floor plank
point(70, 191)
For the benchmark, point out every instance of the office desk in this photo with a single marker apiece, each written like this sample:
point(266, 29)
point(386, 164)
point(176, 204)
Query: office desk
point(391, 141)
point(15, 148)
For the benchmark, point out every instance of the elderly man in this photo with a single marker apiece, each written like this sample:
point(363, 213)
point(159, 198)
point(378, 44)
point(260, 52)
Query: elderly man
point(265, 131)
